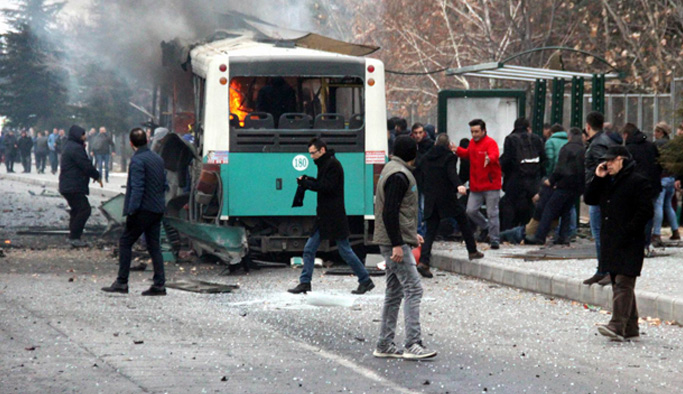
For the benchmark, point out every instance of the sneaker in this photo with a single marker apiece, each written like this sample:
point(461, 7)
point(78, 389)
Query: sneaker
point(155, 291)
point(495, 245)
point(594, 279)
point(364, 287)
point(116, 287)
point(475, 255)
point(423, 269)
point(417, 351)
point(390, 352)
point(656, 241)
point(605, 281)
point(77, 243)
point(610, 333)
point(301, 288)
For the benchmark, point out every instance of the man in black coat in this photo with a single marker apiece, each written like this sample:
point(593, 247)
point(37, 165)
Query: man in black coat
point(144, 208)
point(25, 146)
point(522, 175)
point(437, 178)
point(331, 221)
point(75, 171)
point(624, 197)
point(10, 145)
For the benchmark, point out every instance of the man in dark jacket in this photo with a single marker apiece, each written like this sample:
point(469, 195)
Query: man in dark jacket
point(437, 178)
point(103, 149)
point(25, 146)
point(566, 184)
point(40, 151)
point(75, 171)
point(424, 144)
point(624, 197)
point(144, 207)
point(10, 144)
point(331, 221)
point(523, 163)
point(598, 143)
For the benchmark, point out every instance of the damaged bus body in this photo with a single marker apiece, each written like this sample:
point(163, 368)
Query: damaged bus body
point(257, 104)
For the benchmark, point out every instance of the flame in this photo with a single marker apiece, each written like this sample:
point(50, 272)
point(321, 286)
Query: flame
point(237, 100)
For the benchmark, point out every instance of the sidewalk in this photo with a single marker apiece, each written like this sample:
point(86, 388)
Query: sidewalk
point(116, 185)
point(659, 290)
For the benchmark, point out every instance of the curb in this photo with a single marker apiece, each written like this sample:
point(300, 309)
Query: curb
point(649, 304)
point(107, 193)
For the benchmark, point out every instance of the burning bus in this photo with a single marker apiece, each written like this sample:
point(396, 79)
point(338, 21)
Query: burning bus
point(258, 95)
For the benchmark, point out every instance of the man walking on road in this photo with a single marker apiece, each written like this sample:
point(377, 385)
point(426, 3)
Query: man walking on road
point(485, 181)
point(52, 150)
point(11, 147)
point(437, 177)
point(144, 207)
point(75, 171)
point(625, 200)
point(103, 149)
point(25, 146)
point(396, 234)
point(331, 221)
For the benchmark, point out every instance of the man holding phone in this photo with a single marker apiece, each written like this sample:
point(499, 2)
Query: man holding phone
point(624, 198)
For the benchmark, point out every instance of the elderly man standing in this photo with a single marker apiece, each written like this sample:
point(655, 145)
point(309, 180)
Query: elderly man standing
point(625, 200)
point(144, 208)
point(75, 171)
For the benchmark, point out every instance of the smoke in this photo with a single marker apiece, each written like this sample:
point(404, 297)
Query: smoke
point(124, 36)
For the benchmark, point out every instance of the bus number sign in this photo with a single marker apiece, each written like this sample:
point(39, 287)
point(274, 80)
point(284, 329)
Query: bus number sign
point(300, 162)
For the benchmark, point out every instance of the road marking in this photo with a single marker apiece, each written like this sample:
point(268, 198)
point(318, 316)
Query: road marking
point(356, 368)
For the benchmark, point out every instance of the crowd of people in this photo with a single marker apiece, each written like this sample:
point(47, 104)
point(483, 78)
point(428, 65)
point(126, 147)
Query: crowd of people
point(18, 146)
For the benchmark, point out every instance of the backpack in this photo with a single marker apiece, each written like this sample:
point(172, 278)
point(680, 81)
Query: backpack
point(527, 155)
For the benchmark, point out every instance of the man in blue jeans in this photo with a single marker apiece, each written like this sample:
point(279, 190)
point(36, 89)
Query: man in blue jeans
point(331, 221)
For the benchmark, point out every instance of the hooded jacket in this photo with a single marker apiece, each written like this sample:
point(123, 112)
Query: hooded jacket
point(437, 178)
point(515, 181)
point(331, 217)
point(569, 171)
point(646, 157)
point(625, 208)
point(75, 167)
point(552, 150)
point(483, 178)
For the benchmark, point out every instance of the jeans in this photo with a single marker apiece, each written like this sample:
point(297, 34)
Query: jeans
point(572, 223)
point(103, 160)
point(9, 161)
point(41, 159)
point(54, 161)
point(345, 252)
point(663, 206)
point(594, 214)
point(559, 205)
point(474, 203)
point(433, 226)
point(421, 224)
point(26, 162)
point(148, 223)
point(648, 228)
point(79, 213)
point(403, 281)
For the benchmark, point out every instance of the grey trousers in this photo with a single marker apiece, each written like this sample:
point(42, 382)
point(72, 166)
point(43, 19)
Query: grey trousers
point(492, 199)
point(403, 281)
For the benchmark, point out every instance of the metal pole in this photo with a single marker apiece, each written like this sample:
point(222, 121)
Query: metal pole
point(557, 105)
point(577, 102)
point(540, 89)
point(599, 93)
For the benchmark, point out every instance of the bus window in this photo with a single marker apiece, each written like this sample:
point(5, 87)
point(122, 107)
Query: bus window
point(332, 101)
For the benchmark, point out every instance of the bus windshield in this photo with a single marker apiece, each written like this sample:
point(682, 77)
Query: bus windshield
point(296, 103)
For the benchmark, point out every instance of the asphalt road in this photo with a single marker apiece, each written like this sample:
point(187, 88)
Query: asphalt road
point(60, 333)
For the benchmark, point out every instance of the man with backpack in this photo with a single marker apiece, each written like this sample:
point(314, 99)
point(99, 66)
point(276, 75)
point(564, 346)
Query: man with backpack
point(523, 163)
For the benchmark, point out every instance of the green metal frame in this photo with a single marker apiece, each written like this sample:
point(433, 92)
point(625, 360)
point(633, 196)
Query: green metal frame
point(557, 105)
point(577, 102)
point(599, 93)
point(444, 95)
point(540, 90)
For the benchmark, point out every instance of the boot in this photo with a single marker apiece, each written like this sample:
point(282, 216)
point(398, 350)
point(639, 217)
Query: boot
point(675, 235)
point(423, 269)
point(656, 240)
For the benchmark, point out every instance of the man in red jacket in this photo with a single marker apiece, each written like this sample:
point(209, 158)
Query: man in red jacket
point(485, 180)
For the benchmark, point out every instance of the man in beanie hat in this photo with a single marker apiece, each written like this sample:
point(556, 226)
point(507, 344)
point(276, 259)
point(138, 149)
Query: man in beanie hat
point(75, 171)
point(624, 198)
point(396, 234)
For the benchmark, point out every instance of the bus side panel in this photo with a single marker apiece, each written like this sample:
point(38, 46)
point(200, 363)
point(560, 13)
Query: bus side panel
point(369, 190)
point(264, 184)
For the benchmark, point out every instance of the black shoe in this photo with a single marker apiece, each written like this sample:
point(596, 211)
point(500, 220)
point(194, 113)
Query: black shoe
point(364, 287)
point(594, 279)
point(476, 255)
point(139, 267)
point(116, 287)
point(301, 288)
point(423, 269)
point(155, 291)
point(77, 243)
point(533, 241)
point(605, 281)
point(483, 236)
point(495, 245)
